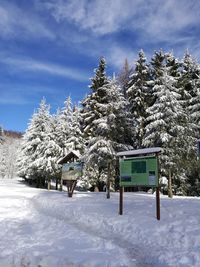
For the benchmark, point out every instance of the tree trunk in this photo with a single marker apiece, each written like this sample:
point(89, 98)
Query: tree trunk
point(108, 183)
point(56, 183)
point(61, 184)
point(170, 194)
point(49, 183)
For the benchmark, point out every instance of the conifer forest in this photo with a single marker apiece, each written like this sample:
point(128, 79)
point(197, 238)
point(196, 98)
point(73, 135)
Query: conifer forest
point(153, 103)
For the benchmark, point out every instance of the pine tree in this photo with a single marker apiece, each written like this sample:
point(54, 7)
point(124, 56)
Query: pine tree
point(158, 66)
point(139, 95)
point(64, 125)
point(32, 162)
point(76, 140)
point(124, 77)
point(163, 128)
point(189, 90)
point(101, 117)
point(100, 77)
point(173, 65)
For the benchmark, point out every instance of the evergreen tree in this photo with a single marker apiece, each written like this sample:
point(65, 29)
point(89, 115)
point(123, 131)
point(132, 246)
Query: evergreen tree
point(76, 140)
point(100, 120)
point(189, 90)
point(64, 125)
point(31, 162)
point(3, 166)
point(139, 95)
point(158, 66)
point(100, 77)
point(50, 153)
point(173, 65)
point(163, 128)
point(124, 77)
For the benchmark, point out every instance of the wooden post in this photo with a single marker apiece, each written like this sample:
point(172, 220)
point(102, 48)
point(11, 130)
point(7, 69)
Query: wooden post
point(157, 203)
point(48, 183)
point(121, 190)
point(108, 182)
point(71, 184)
point(170, 194)
point(61, 184)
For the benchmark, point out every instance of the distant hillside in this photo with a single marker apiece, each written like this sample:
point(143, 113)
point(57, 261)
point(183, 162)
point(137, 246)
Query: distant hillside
point(13, 134)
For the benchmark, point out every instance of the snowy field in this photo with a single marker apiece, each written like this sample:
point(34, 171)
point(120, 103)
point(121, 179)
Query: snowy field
point(48, 229)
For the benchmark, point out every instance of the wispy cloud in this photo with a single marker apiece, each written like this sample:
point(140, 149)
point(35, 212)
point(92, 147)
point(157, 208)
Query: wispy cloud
point(152, 22)
point(104, 17)
point(100, 17)
point(31, 65)
point(16, 22)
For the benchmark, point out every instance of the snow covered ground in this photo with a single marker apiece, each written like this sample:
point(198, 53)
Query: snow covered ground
point(48, 229)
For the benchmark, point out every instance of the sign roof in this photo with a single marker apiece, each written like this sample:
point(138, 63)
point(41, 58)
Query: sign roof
point(137, 152)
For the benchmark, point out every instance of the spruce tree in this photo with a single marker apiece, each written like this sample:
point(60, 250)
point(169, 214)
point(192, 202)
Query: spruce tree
point(139, 95)
point(189, 89)
point(64, 125)
point(124, 77)
point(100, 120)
point(163, 128)
point(31, 162)
point(75, 139)
point(100, 77)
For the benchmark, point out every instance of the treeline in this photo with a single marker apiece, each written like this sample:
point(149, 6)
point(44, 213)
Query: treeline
point(9, 144)
point(150, 104)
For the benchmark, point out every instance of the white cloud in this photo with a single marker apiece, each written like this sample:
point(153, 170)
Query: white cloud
point(153, 17)
point(100, 17)
point(165, 20)
point(27, 64)
point(152, 24)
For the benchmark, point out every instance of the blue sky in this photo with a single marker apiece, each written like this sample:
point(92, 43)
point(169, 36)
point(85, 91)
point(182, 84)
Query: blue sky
point(49, 48)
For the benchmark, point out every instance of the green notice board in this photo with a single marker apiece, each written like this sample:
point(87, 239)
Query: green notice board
point(139, 171)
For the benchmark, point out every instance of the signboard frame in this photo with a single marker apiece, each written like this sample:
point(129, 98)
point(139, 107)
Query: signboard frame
point(139, 171)
point(140, 155)
point(72, 170)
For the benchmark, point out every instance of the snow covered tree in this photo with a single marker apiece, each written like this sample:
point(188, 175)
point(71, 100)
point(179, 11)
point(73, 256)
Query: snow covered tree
point(158, 66)
point(3, 162)
point(163, 128)
point(102, 114)
point(173, 65)
point(31, 162)
point(190, 73)
point(50, 153)
point(76, 140)
point(100, 77)
point(124, 77)
point(139, 95)
point(189, 89)
point(64, 126)
point(194, 110)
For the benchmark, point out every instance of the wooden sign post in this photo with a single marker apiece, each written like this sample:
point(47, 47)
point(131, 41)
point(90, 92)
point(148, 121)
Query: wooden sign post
point(71, 171)
point(140, 168)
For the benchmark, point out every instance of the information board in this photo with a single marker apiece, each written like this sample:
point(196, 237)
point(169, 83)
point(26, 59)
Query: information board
point(139, 171)
point(71, 171)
